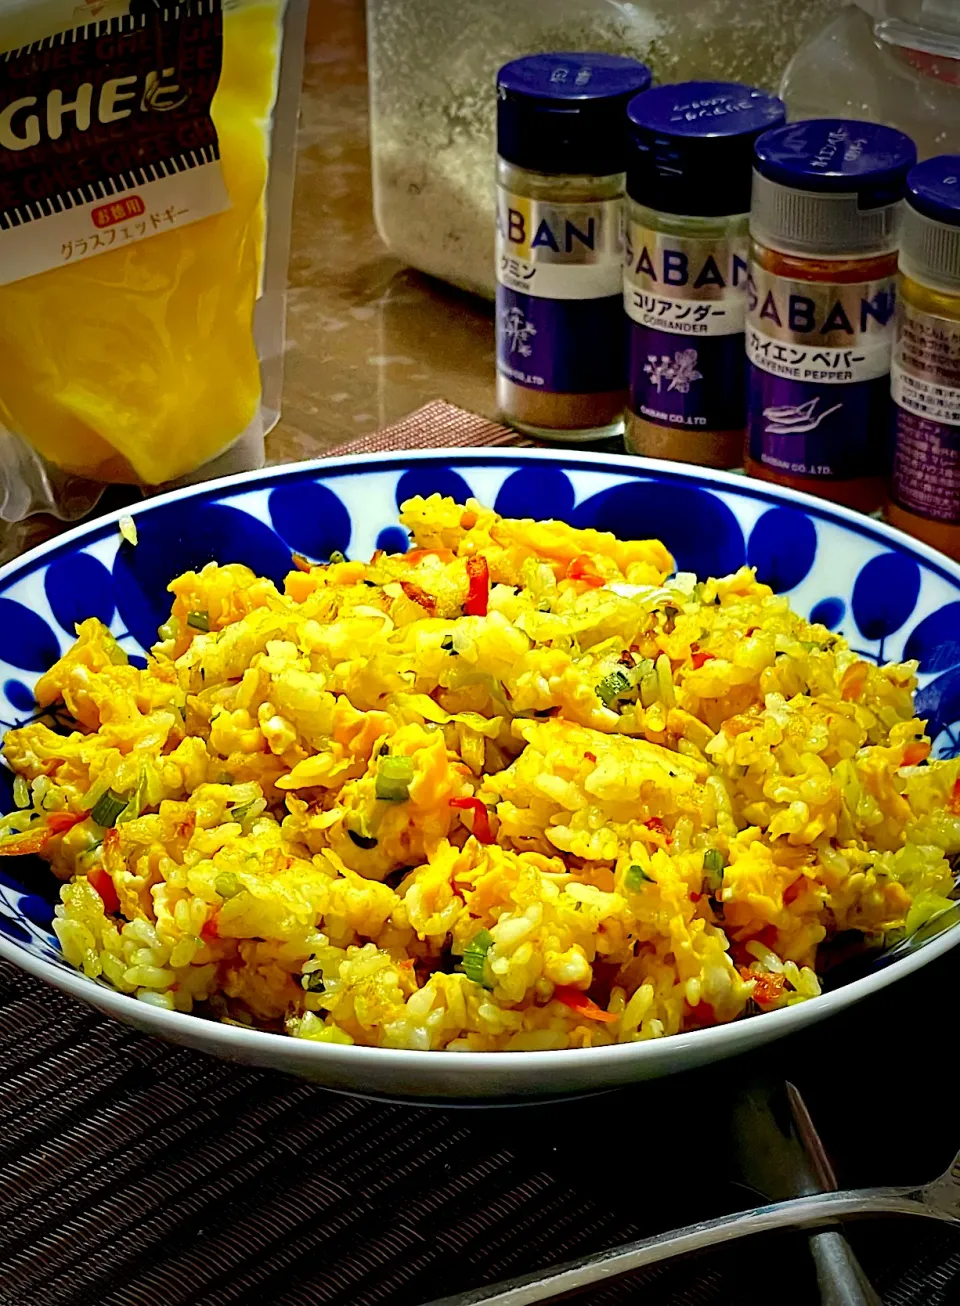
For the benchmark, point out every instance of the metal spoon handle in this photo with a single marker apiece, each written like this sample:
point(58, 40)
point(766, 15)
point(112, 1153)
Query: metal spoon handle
point(821, 1208)
point(840, 1277)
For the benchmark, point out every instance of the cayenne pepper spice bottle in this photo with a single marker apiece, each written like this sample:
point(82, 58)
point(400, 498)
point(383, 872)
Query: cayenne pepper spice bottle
point(825, 223)
point(561, 334)
point(689, 172)
point(924, 494)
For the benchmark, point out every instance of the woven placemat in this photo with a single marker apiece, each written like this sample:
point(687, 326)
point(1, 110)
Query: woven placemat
point(133, 1173)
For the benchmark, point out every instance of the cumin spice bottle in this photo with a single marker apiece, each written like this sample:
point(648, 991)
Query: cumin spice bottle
point(689, 172)
point(924, 496)
point(825, 225)
point(561, 336)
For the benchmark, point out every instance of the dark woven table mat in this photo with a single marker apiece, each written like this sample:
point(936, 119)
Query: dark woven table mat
point(133, 1173)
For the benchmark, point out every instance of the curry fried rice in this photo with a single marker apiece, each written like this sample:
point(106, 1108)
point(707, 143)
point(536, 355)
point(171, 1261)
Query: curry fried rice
point(518, 788)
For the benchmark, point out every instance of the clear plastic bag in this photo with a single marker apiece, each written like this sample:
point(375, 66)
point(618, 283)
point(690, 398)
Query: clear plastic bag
point(433, 66)
point(146, 180)
point(890, 61)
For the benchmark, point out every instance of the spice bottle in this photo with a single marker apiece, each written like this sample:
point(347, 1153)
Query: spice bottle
point(689, 171)
point(825, 223)
point(925, 377)
point(561, 336)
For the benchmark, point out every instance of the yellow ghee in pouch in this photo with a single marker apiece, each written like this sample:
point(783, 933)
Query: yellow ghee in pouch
point(139, 364)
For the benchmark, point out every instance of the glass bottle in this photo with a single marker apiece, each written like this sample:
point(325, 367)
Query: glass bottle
point(924, 496)
point(689, 170)
point(561, 337)
point(824, 222)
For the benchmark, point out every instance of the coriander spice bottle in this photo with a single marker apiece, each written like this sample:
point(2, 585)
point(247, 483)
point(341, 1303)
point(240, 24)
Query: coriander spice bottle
point(561, 337)
point(825, 225)
point(924, 496)
point(689, 171)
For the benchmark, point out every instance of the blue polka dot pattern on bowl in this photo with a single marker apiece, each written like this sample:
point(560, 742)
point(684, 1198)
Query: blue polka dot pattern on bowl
point(889, 599)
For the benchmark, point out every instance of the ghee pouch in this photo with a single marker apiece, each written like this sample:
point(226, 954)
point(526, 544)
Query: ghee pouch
point(135, 152)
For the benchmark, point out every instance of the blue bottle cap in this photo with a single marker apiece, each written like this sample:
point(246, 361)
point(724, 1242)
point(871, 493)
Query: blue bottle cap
point(933, 188)
point(839, 156)
point(691, 146)
point(930, 239)
point(565, 113)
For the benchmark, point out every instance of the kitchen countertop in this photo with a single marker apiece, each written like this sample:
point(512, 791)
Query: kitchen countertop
point(368, 340)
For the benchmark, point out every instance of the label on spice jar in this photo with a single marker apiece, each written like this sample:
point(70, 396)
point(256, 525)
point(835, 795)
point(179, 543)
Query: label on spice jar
point(925, 381)
point(106, 136)
point(819, 389)
point(560, 324)
point(686, 300)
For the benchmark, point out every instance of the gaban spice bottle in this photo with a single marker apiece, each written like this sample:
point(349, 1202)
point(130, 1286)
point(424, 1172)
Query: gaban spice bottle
point(561, 337)
point(925, 377)
point(825, 224)
point(689, 171)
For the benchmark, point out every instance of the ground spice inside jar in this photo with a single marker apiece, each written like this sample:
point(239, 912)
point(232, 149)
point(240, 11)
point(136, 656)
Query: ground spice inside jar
point(561, 340)
point(924, 494)
point(825, 223)
point(689, 174)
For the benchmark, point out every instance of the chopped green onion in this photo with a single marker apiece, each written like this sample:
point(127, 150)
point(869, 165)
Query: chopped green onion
point(167, 631)
point(314, 982)
point(337, 556)
point(612, 686)
point(21, 792)
point(714, 865)
point(113, 650)
point(128, 529)
point(136, 803)
point(636, 876)
point(475, 957)
point(394, 774)
point(108, 808)
point(366, 842)
point(227, 885)
point(199, 621)
point(241, 810)
point(649, 682)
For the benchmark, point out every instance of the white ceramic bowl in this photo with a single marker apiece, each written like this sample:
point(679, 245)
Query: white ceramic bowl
point(889, 595)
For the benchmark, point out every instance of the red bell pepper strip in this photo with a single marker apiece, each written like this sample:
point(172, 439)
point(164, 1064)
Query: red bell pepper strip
point(768, 988)
point(915, 752)
point(699, 657)
point(101, 881)
point(583, 568)
point(578, 1001)
point(478, 587)
point(481, 817)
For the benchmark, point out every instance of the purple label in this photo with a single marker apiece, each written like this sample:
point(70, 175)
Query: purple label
point(832, 432)
point(565, 346)
point(926, 467)
point(697, 384)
